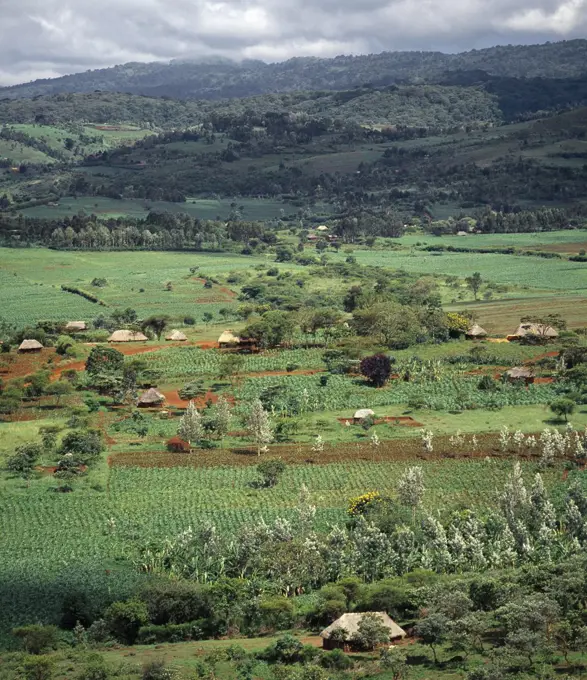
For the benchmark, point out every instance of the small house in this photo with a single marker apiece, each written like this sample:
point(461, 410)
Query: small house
point(76, 326)
point(340, 634)
point(127, 336)
point(322, 228)
point(520, 373)
point(228, 340)
point(476, 332)
point(535, 330)
point(361, 414)
point(176, 336)
point(151, 397)
point(30, 346)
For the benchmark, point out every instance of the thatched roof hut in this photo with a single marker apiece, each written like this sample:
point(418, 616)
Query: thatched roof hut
point(30, 346)
point(176, 336)
point(127, 336)
point(349, 623)
point(538, 330)
point(363, 413)
point(322, 227)
point(151, 397)
point(74, 326)
point(476, 331)
point(228, 339)
point(520, 373)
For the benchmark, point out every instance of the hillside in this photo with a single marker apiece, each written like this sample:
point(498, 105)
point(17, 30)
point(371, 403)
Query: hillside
point(223, 78)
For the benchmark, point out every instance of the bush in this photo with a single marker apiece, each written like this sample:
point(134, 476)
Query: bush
point(291, 367)
point(270, 471)
point(36, 638)
point(38, 668)
point(277, 612)
point(376, 369)
point(124, 619)
point(189, 321)
point(171, 632)
point(75, 608)
point(156, 670)
point(336, 660)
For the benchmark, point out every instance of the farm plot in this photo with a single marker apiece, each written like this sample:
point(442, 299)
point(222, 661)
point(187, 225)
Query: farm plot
point(297, 394)
point(193, 361)
point(52, 543)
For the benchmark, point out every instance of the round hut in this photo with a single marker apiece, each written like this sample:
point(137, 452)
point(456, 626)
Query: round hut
point(127, 336)
point(30, 346)
point(151, 397)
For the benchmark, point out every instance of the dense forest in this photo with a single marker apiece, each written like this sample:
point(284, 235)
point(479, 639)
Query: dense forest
point(219, 78)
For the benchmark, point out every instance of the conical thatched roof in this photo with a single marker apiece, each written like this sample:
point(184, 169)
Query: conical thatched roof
point(536, 329)
point(29, 345)
point(177, 336)
point(151, 397)
point(322, 227)
point(520, 372)
point(476, 331)
point(350, 623)
point(228, 338)
point(363, 413)
point(127, 336)
point(76, 326)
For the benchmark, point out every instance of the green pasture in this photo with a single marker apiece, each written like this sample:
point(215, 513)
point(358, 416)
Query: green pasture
point(526, 241)
point(205, 209)
point(20, 153)
point(31, 281)
point(534, 272)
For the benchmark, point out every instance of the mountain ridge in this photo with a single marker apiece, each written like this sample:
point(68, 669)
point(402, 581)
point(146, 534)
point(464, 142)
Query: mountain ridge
point(211, 78)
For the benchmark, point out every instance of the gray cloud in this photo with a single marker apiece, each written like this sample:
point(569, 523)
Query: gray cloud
point(48, 38)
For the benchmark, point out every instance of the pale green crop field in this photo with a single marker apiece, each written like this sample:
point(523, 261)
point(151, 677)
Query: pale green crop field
point(530, 241)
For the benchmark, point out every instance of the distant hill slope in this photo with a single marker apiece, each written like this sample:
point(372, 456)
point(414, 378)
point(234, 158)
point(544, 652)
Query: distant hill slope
point(222, 78)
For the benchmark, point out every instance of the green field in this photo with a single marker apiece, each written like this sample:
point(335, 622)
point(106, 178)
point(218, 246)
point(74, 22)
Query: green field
point(53, 543)
point(31, 281)
point(203, 208)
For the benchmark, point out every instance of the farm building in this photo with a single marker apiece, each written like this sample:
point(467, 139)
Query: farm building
point(176, 336)
point(30, 346)
point(537, 330)
point(127, 336)
point(151, 397)
point(348, 624)
point(476, 332)
point(228, 340)
point(520, 373)
point(363, 413)
point(74, 326)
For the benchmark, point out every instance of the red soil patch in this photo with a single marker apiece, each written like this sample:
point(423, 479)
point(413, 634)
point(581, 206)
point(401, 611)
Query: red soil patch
point(20, 365)
point(47, 470)
point(340, 452)
point(172, 398)
point(543, 381)
point(545, 355)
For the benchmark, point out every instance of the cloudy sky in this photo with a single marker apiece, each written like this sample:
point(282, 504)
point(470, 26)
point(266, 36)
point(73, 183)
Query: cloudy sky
point(48, 38)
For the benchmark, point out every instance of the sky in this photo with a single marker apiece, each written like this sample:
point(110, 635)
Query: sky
point(49, 38)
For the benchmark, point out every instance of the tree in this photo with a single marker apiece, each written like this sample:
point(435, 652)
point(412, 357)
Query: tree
point(271, 471)
point(125, 618)
point(36, 638)
point(474, 282)
point(271, 329)
point(230, 366)
point(432, 630)
point(86, 445)
point(259, 426)
point(104, 359)
point(59, 389)
point(157, 323)
point(393, 661)
point(376, 369)
point(410, 488)
point(190, 427)
point(221, 417)
point(371, 632)
point(24, 460)
point(563, 408)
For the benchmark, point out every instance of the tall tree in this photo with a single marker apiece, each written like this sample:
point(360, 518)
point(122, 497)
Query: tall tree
point(190, 426)
point(259, 426)
point(410, 488)
point(474, 282)
point(221, 417)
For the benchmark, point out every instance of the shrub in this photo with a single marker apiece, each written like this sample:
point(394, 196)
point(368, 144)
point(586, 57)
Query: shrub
point(156, 670)
point(277, 612)
point(376, 369)
point(38, 668)
point(336, 660)
point(124, 619)
point(270, 471)
point(36, 638)
point(189, 321)
point(171, 632)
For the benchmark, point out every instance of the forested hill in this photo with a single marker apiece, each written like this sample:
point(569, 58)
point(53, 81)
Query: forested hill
point(219, 78)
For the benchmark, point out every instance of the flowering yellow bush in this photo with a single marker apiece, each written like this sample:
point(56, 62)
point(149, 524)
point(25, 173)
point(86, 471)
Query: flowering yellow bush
point(358, 505)
point(457, 323)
